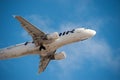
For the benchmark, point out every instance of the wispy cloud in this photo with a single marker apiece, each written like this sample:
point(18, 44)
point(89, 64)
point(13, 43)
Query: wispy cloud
point(96, 51)
point(25, 35)
point(41, 22)
point(92, 23)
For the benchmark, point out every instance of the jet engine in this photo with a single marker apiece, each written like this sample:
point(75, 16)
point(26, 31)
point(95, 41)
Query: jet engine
point(53, 36)
point(49, 38)
point(59, 56)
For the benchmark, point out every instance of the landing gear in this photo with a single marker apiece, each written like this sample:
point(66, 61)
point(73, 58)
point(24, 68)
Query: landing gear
point(42, 47)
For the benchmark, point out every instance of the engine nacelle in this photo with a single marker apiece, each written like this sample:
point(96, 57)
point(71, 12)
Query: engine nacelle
point(60, 56)
point(53, 36)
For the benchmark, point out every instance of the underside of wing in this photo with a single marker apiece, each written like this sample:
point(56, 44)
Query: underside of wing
point(45, 61)
point(31, 29)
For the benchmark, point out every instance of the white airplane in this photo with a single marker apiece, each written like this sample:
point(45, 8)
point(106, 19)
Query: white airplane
point(45, 45)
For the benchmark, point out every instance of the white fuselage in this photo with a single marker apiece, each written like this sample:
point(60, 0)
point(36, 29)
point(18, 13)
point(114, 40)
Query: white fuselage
point(30, 48)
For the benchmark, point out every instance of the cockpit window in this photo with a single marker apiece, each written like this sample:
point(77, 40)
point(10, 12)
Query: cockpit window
point(73, 31)
point(67, 32)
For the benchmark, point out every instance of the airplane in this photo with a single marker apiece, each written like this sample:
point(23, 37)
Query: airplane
point(45, 45)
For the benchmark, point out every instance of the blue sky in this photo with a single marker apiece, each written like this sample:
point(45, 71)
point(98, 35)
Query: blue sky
point(97, 58)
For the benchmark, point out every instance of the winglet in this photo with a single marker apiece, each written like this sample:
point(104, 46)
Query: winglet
point(14, 16)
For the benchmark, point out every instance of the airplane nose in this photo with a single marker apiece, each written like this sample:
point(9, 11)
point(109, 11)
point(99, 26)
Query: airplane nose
point(91, 32)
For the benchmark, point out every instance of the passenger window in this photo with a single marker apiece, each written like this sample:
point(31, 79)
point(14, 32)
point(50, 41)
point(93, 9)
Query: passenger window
point(60, 34)
point(26, 43)
point(64, 33)
point(67, 32)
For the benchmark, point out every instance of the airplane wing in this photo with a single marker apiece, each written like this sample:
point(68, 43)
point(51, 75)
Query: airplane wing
point(31, 29)
point(45, 61)
point(43, 64)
